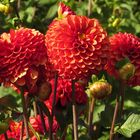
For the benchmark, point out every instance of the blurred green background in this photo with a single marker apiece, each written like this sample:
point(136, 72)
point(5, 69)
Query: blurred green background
point(114, 15)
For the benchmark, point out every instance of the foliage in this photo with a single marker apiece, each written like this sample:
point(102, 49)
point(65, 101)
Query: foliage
point(115, 16)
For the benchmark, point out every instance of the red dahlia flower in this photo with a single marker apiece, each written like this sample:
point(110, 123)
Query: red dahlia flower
point(77, 46)
point(14, 132)
point(15, 128)
point(21, 52)
point(125, 45)
point(64, 93)
point(37, 124)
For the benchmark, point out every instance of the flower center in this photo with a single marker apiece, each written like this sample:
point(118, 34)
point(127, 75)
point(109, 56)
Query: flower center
point(81, 35)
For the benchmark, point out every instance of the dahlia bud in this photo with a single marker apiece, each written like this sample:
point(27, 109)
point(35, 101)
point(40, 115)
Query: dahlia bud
point(64, 11)
point(3, 126)
point(6, 9)
point(127, 71)
point(99, 89)
point(44, 91)
point(116, 22)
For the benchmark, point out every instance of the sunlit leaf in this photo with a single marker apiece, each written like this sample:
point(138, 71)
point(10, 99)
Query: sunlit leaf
point(131, 125)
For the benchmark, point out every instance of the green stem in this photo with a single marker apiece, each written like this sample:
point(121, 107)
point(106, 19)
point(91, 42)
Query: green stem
point(114, 117)
point(35, 108)
point(53, 107)
point(5, 136)
point(74, 112)
point(42, 120)
point(21, 131)
point(89, 7)
point(122, 98)
point(25, 116)
point(90, 116)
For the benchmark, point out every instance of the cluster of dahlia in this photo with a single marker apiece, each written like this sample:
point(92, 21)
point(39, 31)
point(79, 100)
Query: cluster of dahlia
point(15, 128)
point(23, 57)
point(75, 47)
point(64, 94)
point(125, 45)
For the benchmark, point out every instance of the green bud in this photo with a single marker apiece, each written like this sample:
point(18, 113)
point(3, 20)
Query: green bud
point(44, 91)
point(116, 22)
point(127, 71)
point(3, 127)
point(100, 89)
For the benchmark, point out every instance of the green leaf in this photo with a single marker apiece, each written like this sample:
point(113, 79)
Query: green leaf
point(44, 108)
point(94, 78)
point(122, 63)
point(43, 2)
point(106, 116)
point(105, 136)
point(52, 11)
point(132, 99)
point(8, 101)
point(7, 91)
point(97, 112)
point(131, 125)
point(136, 89)
point(34, 132)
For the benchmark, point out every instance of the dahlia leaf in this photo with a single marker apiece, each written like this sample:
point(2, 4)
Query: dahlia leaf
point(94, 78)
point(44, 108)
point(131, 125)
point(8, 101)
point(34, 132)
point(121, 63)
point(44, 2)
point(52, 11)
point(136, 89)
point(8, 91)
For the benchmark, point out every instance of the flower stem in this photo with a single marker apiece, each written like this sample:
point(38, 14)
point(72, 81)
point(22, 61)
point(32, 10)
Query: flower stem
point(90, 116)
point(114, 117)
point(53, 107)
point(122, 98)
point(5, 136)
point(25, 116)
point(21, 131)
point(42, 119)
point(75, 125)
point(89, 7)
point(35, 108)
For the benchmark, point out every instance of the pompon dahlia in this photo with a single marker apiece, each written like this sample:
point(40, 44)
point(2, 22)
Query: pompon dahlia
point(21, 52)
point(77, 46)
point(13, 132)
point(15, 128)
point(64, 93)
point(124, 45)
point(37, 124)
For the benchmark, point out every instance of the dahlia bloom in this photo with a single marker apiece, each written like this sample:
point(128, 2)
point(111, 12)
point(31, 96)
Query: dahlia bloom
point(64, 93)
point(37, 125)
point(77, 46)
point(125, 45)
point(64, 10)
point(14, 131)
point(15, 128)
point(22, 51)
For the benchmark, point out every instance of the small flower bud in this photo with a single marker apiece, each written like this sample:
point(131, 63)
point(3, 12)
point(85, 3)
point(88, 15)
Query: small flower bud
point(44, 91)
point(3, 126)
point(127, 71)
point(100, 89)
point(6, 9)
point(64, 10)
point(116, 22)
